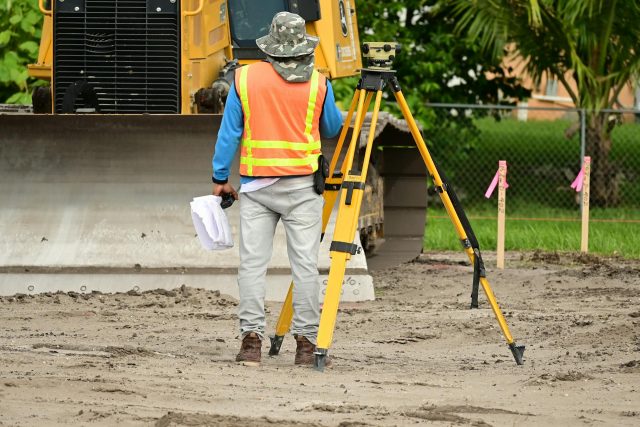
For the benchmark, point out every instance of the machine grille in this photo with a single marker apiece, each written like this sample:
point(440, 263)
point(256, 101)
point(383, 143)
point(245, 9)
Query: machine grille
point(124, 53)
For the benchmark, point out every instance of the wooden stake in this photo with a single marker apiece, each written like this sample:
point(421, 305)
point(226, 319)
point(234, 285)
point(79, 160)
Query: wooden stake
point(502, 201)
point(584, 245)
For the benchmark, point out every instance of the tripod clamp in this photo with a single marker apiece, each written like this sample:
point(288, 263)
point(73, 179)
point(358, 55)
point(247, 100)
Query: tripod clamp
point(350, 248)
point(374, 79)
point(350, 186)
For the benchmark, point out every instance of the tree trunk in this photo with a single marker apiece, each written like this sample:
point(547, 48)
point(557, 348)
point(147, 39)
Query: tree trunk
point(604, 180)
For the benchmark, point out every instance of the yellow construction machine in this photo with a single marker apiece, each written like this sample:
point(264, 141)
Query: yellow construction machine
point(99, 180)
point(170, 56)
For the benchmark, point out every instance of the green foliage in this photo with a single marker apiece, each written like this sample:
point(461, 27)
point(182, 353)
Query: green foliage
point(595, 41)
point(20, 30)
point(592, 42)
point(542, 161)
point(435, 65)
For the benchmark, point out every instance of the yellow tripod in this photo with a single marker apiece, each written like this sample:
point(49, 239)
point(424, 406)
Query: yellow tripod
point(352, 181)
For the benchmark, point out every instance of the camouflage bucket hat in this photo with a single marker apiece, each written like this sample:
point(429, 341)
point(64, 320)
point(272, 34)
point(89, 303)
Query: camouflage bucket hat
point(287, 37)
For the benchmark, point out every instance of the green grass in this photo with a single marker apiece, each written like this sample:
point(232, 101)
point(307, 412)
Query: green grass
point(542, 162)
point(548, 234)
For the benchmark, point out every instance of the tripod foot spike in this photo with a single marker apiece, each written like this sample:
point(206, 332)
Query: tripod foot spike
point(518, 352)
point(276, 343)
point(320, 360)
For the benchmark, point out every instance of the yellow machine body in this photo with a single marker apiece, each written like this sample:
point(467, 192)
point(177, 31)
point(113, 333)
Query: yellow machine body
point(207, 41)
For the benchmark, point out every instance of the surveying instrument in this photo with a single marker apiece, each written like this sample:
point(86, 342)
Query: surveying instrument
point(351, 180)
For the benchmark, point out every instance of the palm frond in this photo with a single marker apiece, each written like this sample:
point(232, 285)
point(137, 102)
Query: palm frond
point(598, 41)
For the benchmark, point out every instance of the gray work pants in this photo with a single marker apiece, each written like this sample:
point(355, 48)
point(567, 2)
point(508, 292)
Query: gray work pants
point(294, 201)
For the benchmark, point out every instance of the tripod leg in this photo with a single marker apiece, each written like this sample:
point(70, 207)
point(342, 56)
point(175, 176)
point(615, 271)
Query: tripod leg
point(330, 196)
point(516, 350)
point(342, 246)
point(284, 322)
point(343, 133)
point(286, 313)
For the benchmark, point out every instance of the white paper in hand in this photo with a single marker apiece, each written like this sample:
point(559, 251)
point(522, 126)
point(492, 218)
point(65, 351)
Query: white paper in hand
point(211, 223)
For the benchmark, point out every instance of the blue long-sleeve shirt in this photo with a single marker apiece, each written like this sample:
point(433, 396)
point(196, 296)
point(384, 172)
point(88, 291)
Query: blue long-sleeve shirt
point(232, 127)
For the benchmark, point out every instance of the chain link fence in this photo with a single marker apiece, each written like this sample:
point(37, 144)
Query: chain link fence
point(544, 149)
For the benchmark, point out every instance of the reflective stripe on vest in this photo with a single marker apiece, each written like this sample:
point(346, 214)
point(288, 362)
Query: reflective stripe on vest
point(265, 151)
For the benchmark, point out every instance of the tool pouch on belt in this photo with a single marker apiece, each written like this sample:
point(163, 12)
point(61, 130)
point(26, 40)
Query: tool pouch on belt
point(321, 174)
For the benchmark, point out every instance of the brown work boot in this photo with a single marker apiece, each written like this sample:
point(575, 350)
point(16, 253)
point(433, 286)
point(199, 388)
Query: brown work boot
point(305, 350)
point(250, 350)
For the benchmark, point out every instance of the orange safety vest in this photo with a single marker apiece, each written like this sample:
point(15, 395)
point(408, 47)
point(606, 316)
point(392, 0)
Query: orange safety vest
point(281, 122)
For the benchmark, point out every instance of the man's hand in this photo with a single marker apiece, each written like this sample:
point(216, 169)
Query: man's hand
point(220, 189)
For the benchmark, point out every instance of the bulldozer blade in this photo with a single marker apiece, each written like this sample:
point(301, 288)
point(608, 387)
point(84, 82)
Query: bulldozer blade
point(101, 202)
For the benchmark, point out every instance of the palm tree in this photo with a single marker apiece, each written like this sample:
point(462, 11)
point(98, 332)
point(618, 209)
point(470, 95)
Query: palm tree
point(596, 42)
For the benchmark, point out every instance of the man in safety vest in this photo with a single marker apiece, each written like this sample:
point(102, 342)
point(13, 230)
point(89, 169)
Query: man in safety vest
point(276, 112)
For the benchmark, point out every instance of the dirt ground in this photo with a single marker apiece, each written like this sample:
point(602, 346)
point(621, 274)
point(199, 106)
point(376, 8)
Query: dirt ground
point(416, 355)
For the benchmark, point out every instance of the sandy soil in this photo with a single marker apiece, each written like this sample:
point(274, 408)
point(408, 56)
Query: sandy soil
point(417, 355)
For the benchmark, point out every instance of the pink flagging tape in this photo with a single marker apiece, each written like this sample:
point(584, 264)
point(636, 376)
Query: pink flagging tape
point(577, 183)
point(494, 182)
point(492, 186)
